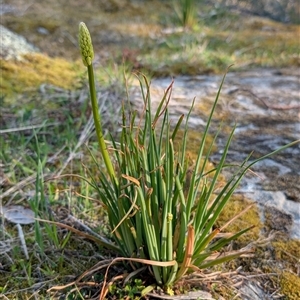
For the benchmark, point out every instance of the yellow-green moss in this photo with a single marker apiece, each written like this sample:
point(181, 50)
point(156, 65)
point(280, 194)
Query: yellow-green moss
point(234, 206)
point(286, 249)
point(36, 69)
point(290, 285)
point(193, 142)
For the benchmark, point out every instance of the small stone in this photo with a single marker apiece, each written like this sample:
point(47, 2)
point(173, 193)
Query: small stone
point(43, 31)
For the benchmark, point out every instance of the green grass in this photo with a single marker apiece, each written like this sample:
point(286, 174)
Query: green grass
point(42, 142)
point(218, 43)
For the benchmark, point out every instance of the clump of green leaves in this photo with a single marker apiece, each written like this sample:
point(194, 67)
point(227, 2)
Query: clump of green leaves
point(161, 209)
point(129, 291)
point(186, 12)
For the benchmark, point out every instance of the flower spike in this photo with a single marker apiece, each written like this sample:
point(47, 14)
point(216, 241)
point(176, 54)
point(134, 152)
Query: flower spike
point(85, 44)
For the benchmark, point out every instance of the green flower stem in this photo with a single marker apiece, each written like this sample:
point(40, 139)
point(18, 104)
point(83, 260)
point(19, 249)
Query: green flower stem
point(98, 126)
point(87, 55)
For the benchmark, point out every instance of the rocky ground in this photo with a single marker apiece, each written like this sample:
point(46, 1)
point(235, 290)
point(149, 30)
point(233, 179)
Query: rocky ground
point(265, 106)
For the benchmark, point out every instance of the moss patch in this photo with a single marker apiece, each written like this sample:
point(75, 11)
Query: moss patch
point(287, 248)
point(290, 285)
point(36, 69)
point(289, 252)
point(236, 204)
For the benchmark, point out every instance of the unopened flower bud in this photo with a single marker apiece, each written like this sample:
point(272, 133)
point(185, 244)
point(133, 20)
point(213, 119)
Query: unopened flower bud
point(85, 44)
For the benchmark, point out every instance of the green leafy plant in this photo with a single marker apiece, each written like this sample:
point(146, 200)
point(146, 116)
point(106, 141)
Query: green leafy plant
point(186, 12)
point(129, 291)
point(162, 208)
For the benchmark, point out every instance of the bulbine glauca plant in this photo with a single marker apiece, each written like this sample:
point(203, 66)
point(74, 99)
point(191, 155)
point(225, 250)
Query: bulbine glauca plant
point(162, 213)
